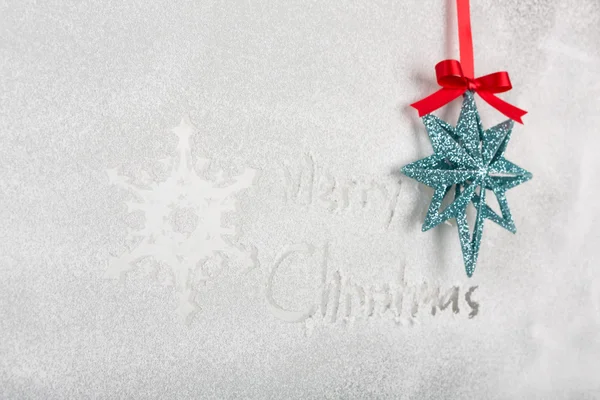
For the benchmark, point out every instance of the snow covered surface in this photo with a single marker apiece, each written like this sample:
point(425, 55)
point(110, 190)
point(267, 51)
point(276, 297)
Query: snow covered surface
point(202, 199)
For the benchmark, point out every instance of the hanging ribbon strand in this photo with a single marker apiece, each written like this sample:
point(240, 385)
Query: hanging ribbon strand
point(456, 77)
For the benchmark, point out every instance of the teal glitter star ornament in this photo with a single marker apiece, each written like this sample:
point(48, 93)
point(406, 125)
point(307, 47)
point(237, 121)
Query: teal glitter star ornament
point(470, 161)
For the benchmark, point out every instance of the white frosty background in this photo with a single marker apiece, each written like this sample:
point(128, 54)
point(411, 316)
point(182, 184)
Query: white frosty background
point(89, 93)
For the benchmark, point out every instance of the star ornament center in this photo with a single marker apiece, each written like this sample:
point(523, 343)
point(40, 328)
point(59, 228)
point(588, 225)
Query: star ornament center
point(469, 161)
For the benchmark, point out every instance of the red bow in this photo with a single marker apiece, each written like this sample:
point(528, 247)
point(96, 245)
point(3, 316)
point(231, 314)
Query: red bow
point(450, 77)
point(454, 82)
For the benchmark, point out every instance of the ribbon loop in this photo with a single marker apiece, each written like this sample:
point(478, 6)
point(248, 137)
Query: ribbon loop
point(449, 74)
point(499, 81)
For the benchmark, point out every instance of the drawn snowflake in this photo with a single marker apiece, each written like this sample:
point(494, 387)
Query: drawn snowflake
point(183, 230)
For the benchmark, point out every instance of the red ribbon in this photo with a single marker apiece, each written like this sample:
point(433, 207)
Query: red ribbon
point(456, 79)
